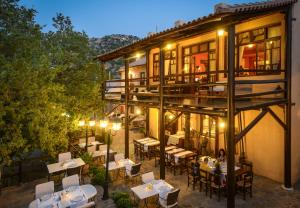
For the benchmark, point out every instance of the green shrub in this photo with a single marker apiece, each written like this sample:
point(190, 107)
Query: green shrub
point(122, 200)
point(87, 158)
point(98, 176)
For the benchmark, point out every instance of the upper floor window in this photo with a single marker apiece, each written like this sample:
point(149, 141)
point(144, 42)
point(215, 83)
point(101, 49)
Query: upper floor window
point(156, 67)
point(199, 60)
point(258, 51)
point(170, 64)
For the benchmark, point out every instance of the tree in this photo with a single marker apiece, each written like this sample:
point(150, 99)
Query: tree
point(47, 82)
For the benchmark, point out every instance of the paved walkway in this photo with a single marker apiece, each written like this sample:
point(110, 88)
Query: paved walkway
point(266, 193)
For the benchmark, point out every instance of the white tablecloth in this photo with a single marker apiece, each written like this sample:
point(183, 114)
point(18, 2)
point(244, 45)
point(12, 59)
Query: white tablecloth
point(63, 199)
point(56, 167)
point(174, 138)
point(181, 155)
point(82, 145)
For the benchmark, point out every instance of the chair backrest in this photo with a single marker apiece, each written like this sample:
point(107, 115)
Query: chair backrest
point(91, 139)
point(72, 180)
point(74, 171)
point(148, 177)
point(203, 174)
point(111, 156)
point(172, 197)
point(88, 205)
point(119, 156)
point(135, 169)
point(103, 147)
point(91, 149)
point(43, 189)
point(64, 156)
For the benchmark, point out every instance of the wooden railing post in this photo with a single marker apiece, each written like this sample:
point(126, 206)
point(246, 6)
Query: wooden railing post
point(126, 108)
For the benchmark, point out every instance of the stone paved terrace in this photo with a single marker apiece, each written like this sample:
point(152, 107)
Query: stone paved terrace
point(266, 193)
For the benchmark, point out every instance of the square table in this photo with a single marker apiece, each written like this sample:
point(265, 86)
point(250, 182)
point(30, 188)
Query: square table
point(155, 187)
point(73, 163)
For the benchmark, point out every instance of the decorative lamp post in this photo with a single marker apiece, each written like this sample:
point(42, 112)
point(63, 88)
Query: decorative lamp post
point(115, 126)
point(91, 124)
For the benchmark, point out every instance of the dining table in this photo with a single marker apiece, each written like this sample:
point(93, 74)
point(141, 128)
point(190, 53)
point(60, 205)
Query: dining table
point(95, 143)
point(72, 197)
point(154, 188)
point(64, 165)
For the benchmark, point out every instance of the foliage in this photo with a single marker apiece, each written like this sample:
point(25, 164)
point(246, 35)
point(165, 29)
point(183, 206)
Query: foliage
point(87, 158)
point(98, 176)
point(122, 199)
point(47, 83)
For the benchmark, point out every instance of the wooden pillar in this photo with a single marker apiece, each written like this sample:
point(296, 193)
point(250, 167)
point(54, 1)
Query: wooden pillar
point(161, 114)
point(126, 62)
point(288, 96)
point(147, 86)
point(147, 122)
point(187, 130)
point(230, 119)
point(103, 85)
point(217, 142)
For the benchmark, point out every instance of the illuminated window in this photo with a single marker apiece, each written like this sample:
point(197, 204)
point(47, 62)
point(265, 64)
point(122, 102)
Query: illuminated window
point(258, 51)
point(156, 67)
point(170, 64)
point(198, 60)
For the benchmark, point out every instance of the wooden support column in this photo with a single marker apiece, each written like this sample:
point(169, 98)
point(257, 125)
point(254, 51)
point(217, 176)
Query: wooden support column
point(103, 86)
point(217, 137)
point(187, 130)
point(126, 62)
point(161, 114)
point(288, 96)
point(230, 119)
point(147, 86)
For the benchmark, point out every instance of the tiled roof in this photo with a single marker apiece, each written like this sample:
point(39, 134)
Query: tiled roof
point(221, 10)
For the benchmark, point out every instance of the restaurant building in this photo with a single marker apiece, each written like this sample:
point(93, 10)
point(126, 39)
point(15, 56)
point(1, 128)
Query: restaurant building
point(232, 78)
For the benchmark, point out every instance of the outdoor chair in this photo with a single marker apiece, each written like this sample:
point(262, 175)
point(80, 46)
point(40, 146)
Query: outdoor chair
point(216, 185)
point(174, 165)
point(57, 177)
point(156, 157)
point(245, 185)
point(204, 180)
point(134, 173)
point(136, 148)
point(119, 156)
point(148, 177)
point(74, 171)
point(111, 156)
point(70, 181)
point(193, 175)
point(64, 156)
point(143, 153)
point(171, 199)
point(44, 189)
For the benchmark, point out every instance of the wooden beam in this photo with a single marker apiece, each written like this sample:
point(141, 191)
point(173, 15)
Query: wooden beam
point(273, 114)
point(162, 113)
point(112, 110)
point(231, 119)
point(126, 63)
point(173, 120)
point(288, 96)
point(187, 130)
point(250, 126)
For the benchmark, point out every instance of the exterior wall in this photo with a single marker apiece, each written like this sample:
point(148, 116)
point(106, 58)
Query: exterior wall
point(296, 94)
point(264, 145)
point(153, 122)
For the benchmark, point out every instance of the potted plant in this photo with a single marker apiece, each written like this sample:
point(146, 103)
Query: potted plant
point(122, 200)
point(88, 159)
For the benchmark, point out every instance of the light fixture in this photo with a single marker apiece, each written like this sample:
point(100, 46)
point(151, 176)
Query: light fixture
point(81, 123)
point(250, 46)
point(92, 123)
point(221, 32)
point(267, 62)
point(271, 42)
point(171, 116)
point(116, 126)
point(169, 46)
point(137, 55)
point(138, 111)
point(222, 124)
point(103, 123)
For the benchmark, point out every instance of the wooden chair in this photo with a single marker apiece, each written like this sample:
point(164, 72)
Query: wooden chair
point(216, 185)
point(193, 175)
point(204, 180)
point(173, 164)
point(136, 149)
point(135, 171)
point(72, 180)
point(245, 185)
point(148, 177)
point(171, 200)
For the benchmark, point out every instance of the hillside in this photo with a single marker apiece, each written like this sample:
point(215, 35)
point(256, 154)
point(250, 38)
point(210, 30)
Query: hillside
point(108, 43)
